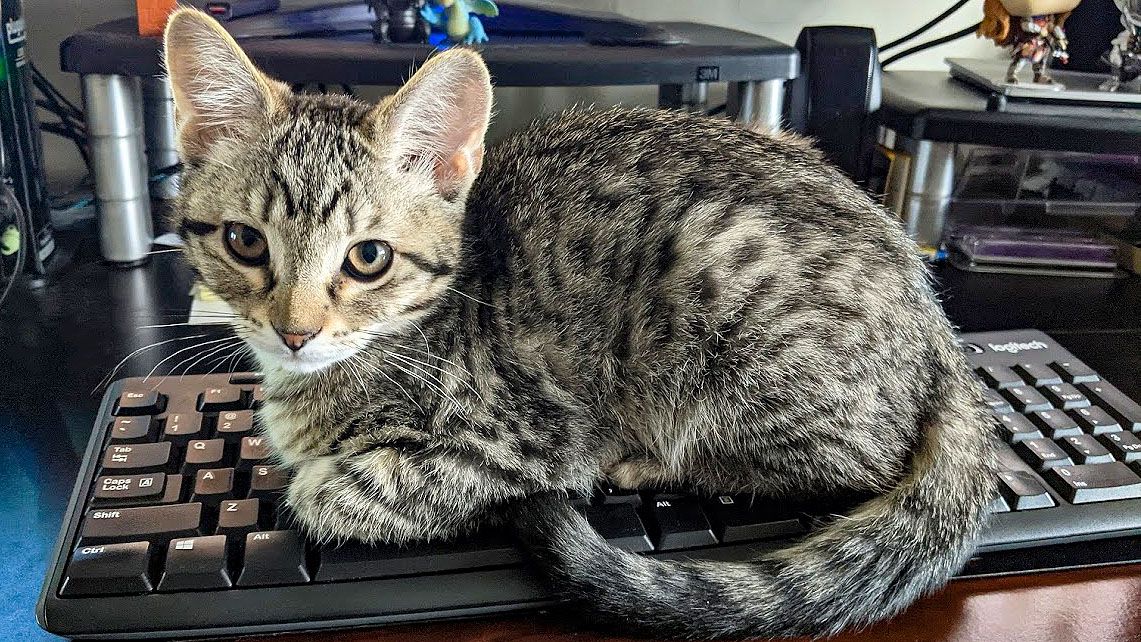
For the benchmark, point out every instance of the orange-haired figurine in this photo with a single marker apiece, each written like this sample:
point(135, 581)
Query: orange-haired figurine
point(1036, 36)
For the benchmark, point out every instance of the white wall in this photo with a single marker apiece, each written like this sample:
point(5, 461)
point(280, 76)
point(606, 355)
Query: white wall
point(50, 21)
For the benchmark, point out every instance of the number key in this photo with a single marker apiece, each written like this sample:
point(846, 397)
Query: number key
point(999, 377)
point(1026, 399)
point(1065, 396)
point(996, 402)
point(1055, 423)
point(181, 427)
point(1042, 454)
point(1086, 449)
point(1014, 427)
point(1124, 445)
point(1038, 374)
point(1094, 420)
point(1074, 371)
point(235, 424)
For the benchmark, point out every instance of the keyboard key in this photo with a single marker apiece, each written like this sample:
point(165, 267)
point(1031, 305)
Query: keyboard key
point(140, 402)
point(1038, 374)
point(1022, 491)
point(181, 427)
point(354, 560)
point(1086, 449)
point(999, 376)
point(610, 494)
point(147, 522)
point(1094, 482)
point(1125, 446)
point(267, 482)
point(1127, 411)
point(235, 424)
point(237, 517)
point(679, 522)
point(256, 396)
point(273, 557)
point(246, 377)
point(217, 399)
point(739, 518)
point(132, 430)
point(172, 494)
point(126, 489)
point(212, 485)
point(996, 402)
point(1065, 396)
point(998, 505)
point(1094, 420)
point(1026, 399)
point(1042, 454)
point(108, 569)
point(1074, 371)
point(620, 525)
point(253, 451)
point(137, 458)
point(1055, 424)
point(195, 563)
point(204, 453)
point(1014, 427)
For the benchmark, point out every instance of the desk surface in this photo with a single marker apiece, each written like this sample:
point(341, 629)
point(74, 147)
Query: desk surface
point(58, 342)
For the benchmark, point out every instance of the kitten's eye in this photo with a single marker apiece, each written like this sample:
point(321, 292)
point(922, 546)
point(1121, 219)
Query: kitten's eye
point(367, 260)
point(246, 244)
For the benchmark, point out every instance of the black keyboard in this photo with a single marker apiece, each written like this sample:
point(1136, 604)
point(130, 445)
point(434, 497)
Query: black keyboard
point(176, 527)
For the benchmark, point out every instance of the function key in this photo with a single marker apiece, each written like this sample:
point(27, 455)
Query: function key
point(1094, 420)
point(1055, 424)
point(1095, 482)
point(1038, 374)
point(1023, 491)
point(129, 488)
point(1014, 427)
point(996, 402)
point(181, 427)
point(1065, 396)
point(1086, 449)
point(217, 399)
point(273, 557)
point(204, 453)
point(256, 395)
point(1125, 446)
point(195, 563)
point(1042, 454)
point(145, 522)
point(999, 376)
point(137, 458)
point(108, 569)
point(1074, 371)
point(235, 424)
point(1127, 411)
point(132, 430)
point(1026, 399)
point(239, 378)
point(139, 402)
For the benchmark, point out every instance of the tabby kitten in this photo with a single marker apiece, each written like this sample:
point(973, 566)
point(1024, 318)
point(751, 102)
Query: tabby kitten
point(451, 336)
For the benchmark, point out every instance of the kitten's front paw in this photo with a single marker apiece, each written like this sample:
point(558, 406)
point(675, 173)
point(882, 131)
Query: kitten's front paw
point(637, 473)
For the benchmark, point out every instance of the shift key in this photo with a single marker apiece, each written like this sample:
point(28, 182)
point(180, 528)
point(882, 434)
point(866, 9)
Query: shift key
point(137, 458)
point(154, 523)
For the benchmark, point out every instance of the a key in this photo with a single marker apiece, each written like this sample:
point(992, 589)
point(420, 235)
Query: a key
point(235, 424)
point(218, 399)
point(1065, 396)
point(1095, 421)
point(139, 402)
point(273, 557)
point(1055, 424)
point(212, 485)
point(1126, 410)
point(181, 427)
point(1042, 454)
point(996, 402)
point(146, 522)
point(108, 569)
point(620, 525)
point(267, 482)
point(252, 452)
point(1074, 371)
point(738, 518)
point(121, 490)
point(136, 458)
point(1125, 446)
point(355, 561)
point(1022, 491)
point(1038, 374)
point(204, 453)
point(1094, 482)
point(132, 430)
point(1026, 399)
point(999, 376)
point(1014, 427)
point(1086, 449)
point(195, 563)
point(678, 522)
point(237, 517)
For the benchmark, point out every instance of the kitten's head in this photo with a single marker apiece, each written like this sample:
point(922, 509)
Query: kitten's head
point(323, 221)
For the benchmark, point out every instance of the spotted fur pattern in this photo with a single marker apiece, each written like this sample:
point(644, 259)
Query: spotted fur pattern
point(661, 298)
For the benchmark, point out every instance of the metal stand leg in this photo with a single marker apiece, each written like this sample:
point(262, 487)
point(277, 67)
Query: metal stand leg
point(693, 97)
point(930, 185)
point(757, 103)
point(112, 106)
point(158, 118)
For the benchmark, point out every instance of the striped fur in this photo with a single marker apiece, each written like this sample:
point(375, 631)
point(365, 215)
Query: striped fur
point(661, 298)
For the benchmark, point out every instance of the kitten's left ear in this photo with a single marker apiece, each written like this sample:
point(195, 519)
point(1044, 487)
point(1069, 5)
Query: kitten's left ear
point(437, 121)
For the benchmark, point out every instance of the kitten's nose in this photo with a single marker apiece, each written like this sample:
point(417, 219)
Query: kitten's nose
point(294, 339)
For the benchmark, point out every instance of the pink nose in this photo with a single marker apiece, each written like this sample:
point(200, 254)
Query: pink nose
point(295, 339)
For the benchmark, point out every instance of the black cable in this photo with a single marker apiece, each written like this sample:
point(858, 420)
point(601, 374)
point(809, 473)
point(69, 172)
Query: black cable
point(22, 231)
point(931, 43)
point(80, 141)
point(47, 87)
point(920, 31)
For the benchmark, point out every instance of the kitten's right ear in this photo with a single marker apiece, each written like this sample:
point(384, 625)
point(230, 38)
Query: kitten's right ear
point(218, 93)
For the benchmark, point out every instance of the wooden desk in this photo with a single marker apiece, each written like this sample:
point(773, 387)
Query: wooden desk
point(1090, 605)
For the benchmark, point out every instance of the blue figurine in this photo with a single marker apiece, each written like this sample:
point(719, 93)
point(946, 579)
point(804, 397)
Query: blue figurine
point(458, 18)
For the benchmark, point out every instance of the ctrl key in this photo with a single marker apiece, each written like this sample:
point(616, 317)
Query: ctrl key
point(108, 569)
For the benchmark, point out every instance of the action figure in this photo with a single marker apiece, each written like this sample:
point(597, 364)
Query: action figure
point(1036, 37)
point(1125, 57)
point(457, 18)
point(399, 21)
